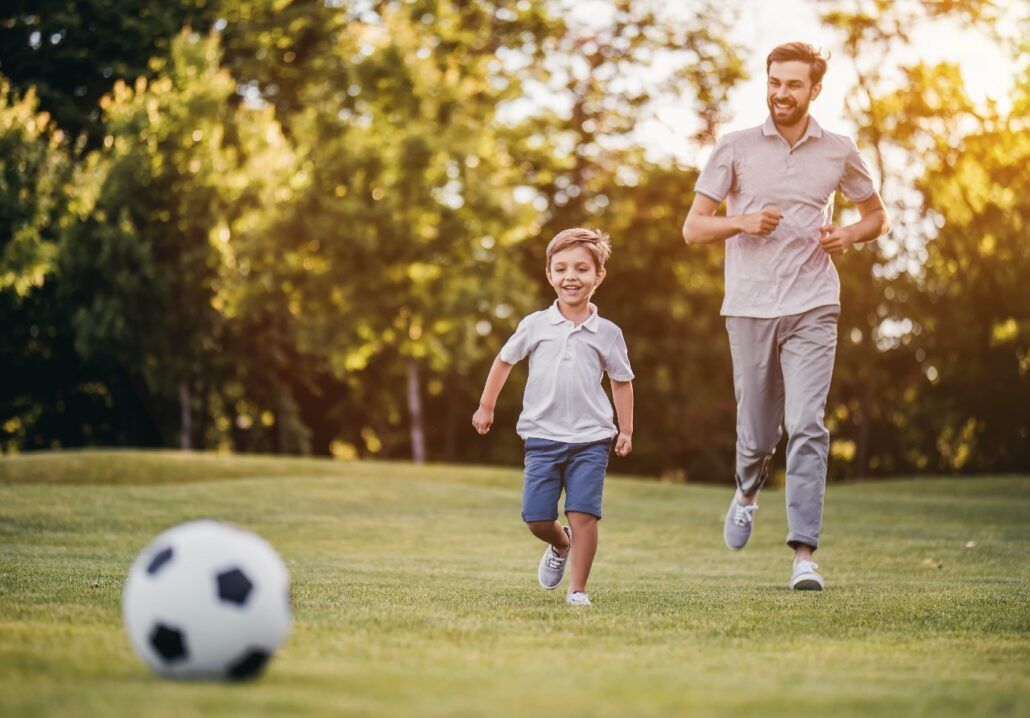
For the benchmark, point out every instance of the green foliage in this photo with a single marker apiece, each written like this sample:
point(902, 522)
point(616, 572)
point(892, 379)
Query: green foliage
point(33, 170)
point(72, 53)
point(282, 215)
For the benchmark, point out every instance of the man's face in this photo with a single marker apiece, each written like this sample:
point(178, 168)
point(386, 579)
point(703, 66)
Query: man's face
point(790, 91)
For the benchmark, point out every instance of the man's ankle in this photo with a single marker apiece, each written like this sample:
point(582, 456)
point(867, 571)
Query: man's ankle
point(746, 500)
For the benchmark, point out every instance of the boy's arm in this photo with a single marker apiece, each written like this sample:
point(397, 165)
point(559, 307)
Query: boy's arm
point(484, 416)
point(622, 395)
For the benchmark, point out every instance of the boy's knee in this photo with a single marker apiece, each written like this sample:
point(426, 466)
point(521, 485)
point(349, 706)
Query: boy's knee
point(542, 526)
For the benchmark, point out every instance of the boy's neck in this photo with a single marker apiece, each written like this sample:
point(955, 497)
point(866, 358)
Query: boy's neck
point(577, 314)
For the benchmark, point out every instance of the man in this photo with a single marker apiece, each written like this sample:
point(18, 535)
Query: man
point(782, 297)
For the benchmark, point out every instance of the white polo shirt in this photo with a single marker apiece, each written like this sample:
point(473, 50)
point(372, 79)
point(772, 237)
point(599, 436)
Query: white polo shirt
point(786, 272)
point(564, 400)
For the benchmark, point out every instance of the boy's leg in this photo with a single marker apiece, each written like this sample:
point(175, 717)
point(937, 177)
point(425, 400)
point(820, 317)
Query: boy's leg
point(541, 490)
point(584, 489)
point(807, 355)
point(542, 487)
point(584, 528)
point(551, 532)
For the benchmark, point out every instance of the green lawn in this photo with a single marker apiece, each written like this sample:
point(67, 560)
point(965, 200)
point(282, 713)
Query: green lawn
point(415, 594)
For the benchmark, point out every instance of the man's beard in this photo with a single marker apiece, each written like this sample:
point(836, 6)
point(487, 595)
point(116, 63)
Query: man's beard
point(799, 111)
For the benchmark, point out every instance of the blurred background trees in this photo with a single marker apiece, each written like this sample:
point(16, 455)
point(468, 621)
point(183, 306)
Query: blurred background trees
point(307, 227)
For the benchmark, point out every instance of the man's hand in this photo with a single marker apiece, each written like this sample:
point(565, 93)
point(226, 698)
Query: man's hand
point(761, 223)
point(483, 419)
point(835, 240)
point(624, 444)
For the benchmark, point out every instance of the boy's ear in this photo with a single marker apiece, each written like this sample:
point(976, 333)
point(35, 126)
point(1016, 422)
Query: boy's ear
point(601, 273)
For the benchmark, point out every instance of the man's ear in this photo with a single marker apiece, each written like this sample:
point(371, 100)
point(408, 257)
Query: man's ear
point(816, 89)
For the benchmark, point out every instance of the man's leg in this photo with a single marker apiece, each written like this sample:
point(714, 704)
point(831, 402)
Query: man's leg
point(806, 356)
point(758, 387)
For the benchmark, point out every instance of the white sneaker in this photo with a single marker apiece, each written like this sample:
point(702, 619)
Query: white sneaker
point(577, 599)
point(552, 564)
point(805, 577)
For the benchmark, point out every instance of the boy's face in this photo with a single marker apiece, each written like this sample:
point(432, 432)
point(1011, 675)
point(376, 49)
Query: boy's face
point(574, 275)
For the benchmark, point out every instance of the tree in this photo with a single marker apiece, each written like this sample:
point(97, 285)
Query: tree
point(143, 257)
point(72, 53)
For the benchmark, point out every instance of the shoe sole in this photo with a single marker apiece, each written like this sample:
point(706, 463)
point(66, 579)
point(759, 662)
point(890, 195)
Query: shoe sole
point(807, 584)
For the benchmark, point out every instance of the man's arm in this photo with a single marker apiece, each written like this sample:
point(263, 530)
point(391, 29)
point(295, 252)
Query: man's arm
point(874, 221)
point(703, 227)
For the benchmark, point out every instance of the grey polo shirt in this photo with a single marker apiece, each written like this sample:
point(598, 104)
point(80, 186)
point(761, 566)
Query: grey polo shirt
point(786, 272)
point(564, 400)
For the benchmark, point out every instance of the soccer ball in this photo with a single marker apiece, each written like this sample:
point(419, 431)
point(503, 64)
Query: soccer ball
point(207, 600)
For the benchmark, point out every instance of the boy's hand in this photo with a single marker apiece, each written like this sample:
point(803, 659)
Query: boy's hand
point(483, 419)
point(624, 444)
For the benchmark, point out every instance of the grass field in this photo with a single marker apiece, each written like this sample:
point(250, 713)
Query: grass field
point(415, 594)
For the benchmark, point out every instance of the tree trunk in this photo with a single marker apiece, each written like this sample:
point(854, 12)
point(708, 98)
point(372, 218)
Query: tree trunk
point(184, 413)
point(450, 441)
point(863, 434)
point(418, 439)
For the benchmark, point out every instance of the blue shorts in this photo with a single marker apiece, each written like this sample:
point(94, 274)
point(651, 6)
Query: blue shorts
point(554, 465)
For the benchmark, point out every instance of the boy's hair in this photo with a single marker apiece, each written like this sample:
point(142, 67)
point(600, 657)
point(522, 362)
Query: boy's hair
point(803, 52)
point(595, 241)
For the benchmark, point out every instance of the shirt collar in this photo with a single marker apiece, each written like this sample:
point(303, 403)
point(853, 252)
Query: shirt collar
point(556, 317)
point(813, 130)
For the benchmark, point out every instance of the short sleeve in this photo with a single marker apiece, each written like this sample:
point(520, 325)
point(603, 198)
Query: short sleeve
point(517, 347)
point(856, 183)
point(718, 177)
point(616, 360)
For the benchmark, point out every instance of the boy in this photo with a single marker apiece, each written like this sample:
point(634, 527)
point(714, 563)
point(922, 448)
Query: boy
point(566, 418)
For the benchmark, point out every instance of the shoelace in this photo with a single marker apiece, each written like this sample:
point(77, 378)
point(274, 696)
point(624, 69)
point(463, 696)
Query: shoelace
point(805, 566)
point(743, 515)
point(554, 561)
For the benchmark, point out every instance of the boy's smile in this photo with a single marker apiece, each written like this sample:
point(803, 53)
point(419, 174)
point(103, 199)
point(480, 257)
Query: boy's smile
point(574, 275)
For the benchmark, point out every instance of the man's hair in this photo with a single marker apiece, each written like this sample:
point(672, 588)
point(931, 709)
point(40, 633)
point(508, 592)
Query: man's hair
point(803, 52)
point(596, 242)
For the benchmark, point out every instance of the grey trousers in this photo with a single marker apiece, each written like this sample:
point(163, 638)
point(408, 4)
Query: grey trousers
point(781, 375)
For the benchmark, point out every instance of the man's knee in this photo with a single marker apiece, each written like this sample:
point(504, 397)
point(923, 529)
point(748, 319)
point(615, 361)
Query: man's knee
point(807, 425)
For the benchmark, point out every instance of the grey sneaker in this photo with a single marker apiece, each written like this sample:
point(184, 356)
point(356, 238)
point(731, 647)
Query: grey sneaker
point(739, 520)
point(552, 564)
point(577, 599)
point(805, 577)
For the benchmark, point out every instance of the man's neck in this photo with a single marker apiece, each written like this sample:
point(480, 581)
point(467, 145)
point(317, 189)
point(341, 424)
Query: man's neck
point(793, 133)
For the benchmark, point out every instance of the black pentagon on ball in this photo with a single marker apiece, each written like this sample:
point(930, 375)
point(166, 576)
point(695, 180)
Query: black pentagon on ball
point(234, 586)
point(249, 665)
point(169, 643)
point(160, 559)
